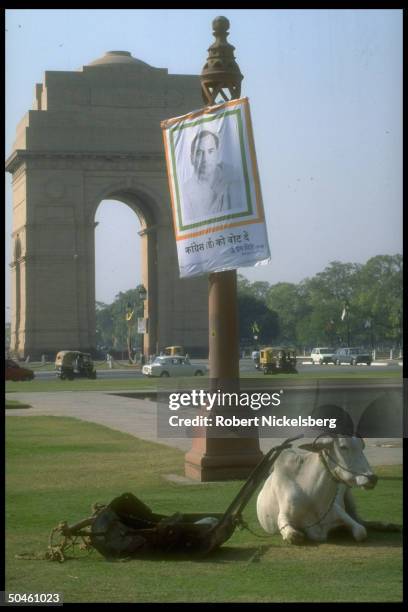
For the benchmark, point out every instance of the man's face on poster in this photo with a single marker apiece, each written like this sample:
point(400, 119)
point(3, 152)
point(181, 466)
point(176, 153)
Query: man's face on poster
point(205, 156)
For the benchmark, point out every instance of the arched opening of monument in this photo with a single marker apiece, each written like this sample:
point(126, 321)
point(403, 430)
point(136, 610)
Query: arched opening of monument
point(118, 276)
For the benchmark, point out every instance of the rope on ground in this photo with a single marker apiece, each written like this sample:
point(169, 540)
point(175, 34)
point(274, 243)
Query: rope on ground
point(71, 537)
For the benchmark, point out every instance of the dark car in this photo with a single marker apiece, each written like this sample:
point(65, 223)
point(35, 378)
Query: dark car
point(352, 356)
point(15, 372)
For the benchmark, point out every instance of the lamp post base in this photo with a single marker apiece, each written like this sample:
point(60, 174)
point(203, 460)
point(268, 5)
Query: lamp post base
point(222, 458)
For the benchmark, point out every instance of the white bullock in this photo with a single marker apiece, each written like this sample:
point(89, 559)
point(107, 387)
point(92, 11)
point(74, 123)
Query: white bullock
point(309, 494)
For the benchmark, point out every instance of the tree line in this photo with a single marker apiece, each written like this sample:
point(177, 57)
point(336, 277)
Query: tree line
point(113, 328)
point(360, 304)
point(346, 303)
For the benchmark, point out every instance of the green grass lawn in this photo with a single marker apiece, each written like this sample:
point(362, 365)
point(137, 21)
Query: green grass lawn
point(57, 468)
point(10, 404)
point(81, 384)
point(134, 384)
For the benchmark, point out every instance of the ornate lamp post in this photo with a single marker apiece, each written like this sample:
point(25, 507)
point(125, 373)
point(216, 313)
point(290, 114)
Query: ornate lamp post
point(142, 293)
point(400, 324)
point(346, 315)
point(368, 325)
point(222, 77)
point(130, 319)
point(216, 458)
point(129, 316)
point(255, 331)
point(142, 296)
point(348, 324)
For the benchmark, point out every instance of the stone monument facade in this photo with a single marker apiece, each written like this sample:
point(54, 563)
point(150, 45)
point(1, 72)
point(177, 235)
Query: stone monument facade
point(95, 134)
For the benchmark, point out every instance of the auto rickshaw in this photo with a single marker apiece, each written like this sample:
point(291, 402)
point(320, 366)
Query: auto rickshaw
point(74, 364)
point(274, 359)
point(174, 350)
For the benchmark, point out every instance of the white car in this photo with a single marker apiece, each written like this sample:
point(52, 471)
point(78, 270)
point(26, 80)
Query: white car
point(322, 355)
point(173, 366)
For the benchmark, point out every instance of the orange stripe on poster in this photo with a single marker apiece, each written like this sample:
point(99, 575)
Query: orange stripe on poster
point(217, 229)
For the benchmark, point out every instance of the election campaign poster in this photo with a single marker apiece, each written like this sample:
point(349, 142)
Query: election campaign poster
point(215, 191)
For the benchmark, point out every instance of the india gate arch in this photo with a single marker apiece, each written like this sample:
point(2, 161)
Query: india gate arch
point(143, 204)
point(94, 134)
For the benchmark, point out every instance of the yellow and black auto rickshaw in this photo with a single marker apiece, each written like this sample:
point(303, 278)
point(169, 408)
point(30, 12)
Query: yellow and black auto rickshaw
point(274, 359)
point(174, 350)
point(74, 364)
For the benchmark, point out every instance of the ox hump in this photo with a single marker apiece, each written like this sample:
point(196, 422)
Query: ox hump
point(290, 461)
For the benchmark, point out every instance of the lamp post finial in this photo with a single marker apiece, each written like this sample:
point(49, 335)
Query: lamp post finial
point(220, 72)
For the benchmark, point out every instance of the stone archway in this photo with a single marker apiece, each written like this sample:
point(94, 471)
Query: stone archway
point(95, 134)
point(145, 207)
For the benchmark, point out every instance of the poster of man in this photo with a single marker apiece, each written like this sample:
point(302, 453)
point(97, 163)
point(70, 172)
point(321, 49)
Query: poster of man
point(215, 186)
point(215, 191)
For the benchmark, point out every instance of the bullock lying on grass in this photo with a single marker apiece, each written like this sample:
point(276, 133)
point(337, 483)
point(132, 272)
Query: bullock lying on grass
point(307, 495)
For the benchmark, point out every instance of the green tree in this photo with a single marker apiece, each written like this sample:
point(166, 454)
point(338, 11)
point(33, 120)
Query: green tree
point(260, 290)
point(289, 302)
point(305, 314)
point(326, 294)
point(244, 286)
point(379, 298)
point(111, 323)
point(255, 317)
point(253, 310)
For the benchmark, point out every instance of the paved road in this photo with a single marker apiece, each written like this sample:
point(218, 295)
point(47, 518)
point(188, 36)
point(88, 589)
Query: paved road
point(138, 418)
point(246, 366)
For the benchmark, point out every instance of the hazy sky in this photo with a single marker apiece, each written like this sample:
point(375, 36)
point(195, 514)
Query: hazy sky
point(325, 88)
